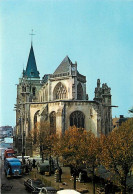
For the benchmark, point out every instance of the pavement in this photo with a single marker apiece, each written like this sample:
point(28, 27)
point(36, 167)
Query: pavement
point(66, 181)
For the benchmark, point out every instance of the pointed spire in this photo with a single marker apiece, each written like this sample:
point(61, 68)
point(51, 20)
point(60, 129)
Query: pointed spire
point(31, 69)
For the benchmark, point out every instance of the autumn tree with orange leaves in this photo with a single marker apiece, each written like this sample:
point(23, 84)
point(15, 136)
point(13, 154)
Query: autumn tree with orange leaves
point(42, 139)
point(89, 151)
point(70, 144)
point(117, 152)
point(79, 150)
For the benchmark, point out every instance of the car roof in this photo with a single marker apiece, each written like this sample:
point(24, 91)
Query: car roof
point(50, 188)
point(12, 159)
point(36, 180)
point(67, 191)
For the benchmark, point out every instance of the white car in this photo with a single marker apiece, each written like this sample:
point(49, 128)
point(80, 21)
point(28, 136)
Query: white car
point(68, 191)
point(48, 190)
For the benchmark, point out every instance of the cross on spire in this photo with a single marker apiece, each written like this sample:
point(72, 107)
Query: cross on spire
point(32, 35)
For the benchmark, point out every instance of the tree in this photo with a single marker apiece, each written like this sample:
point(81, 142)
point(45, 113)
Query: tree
point(70, 143)
point(117, 152)
point(55, 146)
point(89, 151)
point(41, 138)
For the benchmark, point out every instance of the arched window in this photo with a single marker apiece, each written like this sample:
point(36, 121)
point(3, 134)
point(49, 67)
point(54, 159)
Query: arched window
point(79, 92)
point(46, 95)
point(35, 119)
point(52, 118)
point(77, 118)
point(60, 91)
point(43, 96)
point(34, 91)
point(35, 127)
point(24, 88)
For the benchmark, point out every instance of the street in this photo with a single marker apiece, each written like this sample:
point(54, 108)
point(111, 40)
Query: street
point(17, 183)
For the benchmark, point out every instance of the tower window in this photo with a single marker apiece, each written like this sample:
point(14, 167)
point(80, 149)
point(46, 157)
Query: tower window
point(32, 73)
point(23, 89)
point(79, 92)
point(34, 91)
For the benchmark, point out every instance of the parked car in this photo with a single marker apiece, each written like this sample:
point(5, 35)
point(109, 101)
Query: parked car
point(67, 191)
point(45, 167)
point(9, 153)
point(12, 167)
point(47, 190)
point(25, 157)
point(33, 185)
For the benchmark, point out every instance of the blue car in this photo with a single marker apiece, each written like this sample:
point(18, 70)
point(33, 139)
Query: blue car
point(12, 167)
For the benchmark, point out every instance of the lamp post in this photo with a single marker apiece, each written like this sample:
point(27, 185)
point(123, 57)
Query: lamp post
point(23, 136)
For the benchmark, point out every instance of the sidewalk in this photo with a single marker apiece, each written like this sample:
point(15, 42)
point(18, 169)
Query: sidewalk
point(67, 181)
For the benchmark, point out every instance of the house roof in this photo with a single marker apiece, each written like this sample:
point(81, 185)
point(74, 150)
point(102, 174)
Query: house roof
point(64, 66)
point(31, 69)
point(131, 110)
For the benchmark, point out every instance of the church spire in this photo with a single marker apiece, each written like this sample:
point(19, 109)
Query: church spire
point(31, 69)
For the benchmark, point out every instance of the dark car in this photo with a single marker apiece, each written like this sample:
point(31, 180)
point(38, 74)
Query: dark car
point(48, 190)
point(33, 185)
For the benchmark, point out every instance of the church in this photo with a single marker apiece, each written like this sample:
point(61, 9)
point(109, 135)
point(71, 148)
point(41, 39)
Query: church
point(61, 99)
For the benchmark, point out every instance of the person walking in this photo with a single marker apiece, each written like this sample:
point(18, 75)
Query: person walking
point(34, 163)
point(60, 173)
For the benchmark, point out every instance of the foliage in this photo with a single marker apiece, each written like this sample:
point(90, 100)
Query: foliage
point(70, 145)
point(117, 151)
point(89, 149)
point(41, 138)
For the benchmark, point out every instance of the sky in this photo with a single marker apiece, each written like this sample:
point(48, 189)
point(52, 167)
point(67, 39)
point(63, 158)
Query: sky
point(98, 34)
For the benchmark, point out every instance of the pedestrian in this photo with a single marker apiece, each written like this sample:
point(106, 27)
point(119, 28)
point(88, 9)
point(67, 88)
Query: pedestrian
point(60, 173)
point(27, 168)
point(34, 163)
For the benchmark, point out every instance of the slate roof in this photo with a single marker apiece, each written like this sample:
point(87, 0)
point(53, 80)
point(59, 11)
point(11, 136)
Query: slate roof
point(131, 110)
point(64, 66)
point(31, 69)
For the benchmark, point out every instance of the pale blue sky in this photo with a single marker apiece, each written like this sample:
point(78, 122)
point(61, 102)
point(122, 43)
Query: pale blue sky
point(98, 34)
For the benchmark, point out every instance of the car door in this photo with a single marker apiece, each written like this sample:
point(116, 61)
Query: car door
point(29, 185)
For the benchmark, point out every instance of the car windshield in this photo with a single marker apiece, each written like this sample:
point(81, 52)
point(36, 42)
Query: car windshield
point(10, 154)
point(38, 183)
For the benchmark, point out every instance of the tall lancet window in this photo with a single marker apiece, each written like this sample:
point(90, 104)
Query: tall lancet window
point(35, 128)
point(79, 92)
point(60, 91)
point(77, 118)
point(52, 118)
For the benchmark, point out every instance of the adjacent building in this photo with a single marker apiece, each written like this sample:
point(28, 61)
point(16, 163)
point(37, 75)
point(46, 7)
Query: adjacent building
point(6, 131)
point(117, 121)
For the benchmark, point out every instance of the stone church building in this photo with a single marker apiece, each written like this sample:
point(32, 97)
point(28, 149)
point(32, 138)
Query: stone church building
point(61, 99)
